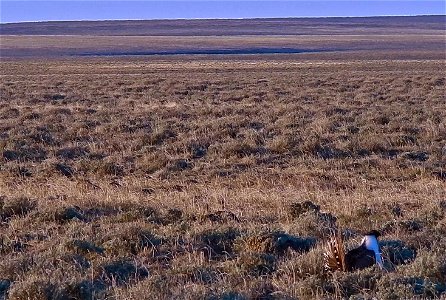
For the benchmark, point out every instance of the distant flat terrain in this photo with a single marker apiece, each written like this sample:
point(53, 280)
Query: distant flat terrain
point(225, 27)
point(373, 37)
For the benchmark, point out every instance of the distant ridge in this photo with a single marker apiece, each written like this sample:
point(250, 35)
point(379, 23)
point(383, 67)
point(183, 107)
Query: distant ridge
point(230, 27)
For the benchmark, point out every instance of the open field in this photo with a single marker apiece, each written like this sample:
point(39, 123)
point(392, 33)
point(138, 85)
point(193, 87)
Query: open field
point(189, 176)
point(428, 46)
point(234, 27)
point(335, 38)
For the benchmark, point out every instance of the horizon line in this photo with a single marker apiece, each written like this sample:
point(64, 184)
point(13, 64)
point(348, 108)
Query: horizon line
point(194, 19)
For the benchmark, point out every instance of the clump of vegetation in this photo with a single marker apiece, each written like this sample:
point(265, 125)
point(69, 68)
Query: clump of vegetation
point(257, 264)
point(85, 247)
point(199, 274)
point(84, 289)
point(275, 243)
point(70, 213)
point(221, 216)
point(35, 289)
point(130, 241)
point(298, 208)
point(217, 243)
point(12, 207)
point(397, 252)
point(121, 272)
point(71, 153)
point(392, 287)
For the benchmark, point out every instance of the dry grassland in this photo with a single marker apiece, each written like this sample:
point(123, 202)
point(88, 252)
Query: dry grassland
point(219, 179)
point(418, 45)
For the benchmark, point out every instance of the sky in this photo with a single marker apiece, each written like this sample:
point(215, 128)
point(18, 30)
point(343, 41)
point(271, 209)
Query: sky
point(34, 10)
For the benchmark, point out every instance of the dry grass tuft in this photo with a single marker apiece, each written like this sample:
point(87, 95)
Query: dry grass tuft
point(16, 207)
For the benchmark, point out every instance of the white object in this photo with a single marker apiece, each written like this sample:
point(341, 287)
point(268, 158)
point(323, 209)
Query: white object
point(371, 243)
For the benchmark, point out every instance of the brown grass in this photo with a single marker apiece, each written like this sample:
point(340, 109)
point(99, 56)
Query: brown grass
point(185, 179)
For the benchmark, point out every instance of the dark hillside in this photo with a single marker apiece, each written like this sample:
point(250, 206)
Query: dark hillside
point(288, 26)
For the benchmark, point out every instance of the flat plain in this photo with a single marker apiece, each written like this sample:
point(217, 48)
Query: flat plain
point(127, 172)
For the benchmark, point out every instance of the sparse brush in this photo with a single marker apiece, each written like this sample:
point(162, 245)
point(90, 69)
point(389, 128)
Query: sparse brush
point(130, 240)
point(257, 264)
point(34, 289)
point(217, 243)
point(15, 207)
